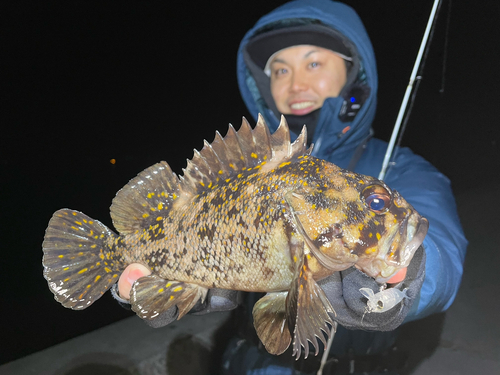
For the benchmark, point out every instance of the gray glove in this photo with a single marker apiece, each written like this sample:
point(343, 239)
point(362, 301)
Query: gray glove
point(216, 300)
point(342, 290)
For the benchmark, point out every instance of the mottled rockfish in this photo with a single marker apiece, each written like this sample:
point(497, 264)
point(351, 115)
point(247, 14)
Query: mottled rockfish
point(252, 212)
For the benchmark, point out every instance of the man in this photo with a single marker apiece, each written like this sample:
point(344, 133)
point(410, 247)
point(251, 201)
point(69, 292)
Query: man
point(313, 62)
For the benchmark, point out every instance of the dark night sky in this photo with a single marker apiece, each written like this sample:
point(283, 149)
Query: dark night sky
point(144, 81)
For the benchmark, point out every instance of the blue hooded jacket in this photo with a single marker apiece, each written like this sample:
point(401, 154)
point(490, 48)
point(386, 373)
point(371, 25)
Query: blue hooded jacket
point(421, 184)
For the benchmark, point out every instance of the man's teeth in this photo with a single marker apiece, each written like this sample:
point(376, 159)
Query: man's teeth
point(301, 105)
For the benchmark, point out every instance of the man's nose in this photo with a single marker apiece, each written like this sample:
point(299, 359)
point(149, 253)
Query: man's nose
point(299, 83)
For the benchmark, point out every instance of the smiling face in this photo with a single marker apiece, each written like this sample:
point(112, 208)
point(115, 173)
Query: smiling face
point(302, 77)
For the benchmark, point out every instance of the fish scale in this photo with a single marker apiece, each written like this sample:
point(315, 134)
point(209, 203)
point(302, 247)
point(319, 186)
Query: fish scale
point(251, 212)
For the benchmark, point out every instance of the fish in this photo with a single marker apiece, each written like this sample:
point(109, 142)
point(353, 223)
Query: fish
point(251, 212)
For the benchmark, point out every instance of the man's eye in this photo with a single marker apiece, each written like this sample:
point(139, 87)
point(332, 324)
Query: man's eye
point(314, 64)
point(281, 71)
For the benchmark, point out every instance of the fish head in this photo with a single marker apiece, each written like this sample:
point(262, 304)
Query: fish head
point(353, 219)
point(386, 234)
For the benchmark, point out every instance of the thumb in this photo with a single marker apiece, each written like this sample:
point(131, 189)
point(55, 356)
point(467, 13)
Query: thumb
point(133, 272)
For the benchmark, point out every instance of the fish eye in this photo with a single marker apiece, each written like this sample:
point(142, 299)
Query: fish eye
point(377, 198)
point(380, 304)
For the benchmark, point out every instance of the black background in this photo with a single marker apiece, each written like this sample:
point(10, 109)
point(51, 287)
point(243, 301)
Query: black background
point(143, 81)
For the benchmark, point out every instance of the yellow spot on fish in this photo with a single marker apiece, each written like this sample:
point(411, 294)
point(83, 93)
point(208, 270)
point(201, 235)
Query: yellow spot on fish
point(145, 216)
point(107, 269)
point(284, 164)
point(160, 206)
point(150, 195)
point(253, 155)
point(171, 298)
point(65, 268)
point(221, 171)
point(174, 196)
point(93, 246)
point(61, 256)
point(161, 290)
point(97, 278)
point(83, 270)
point(378, 236)
point(178, 288)
point(78, 222)
point(159, 218)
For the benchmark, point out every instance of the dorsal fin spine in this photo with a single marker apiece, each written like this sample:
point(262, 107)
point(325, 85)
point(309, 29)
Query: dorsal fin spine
point(255, 150)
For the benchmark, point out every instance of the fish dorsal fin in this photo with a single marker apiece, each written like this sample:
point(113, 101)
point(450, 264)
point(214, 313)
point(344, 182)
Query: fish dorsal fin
point(242, 150)
point(146, 198)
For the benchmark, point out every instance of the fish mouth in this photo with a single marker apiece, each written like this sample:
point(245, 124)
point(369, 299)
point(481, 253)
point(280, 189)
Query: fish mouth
point(417, 237)
point(402, 245)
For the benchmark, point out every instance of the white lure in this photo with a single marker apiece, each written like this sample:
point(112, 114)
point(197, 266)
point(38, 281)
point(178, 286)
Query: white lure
point(383, 300)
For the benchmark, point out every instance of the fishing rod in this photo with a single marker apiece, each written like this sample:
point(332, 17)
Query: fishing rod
point(390, 148)
point(413, 78)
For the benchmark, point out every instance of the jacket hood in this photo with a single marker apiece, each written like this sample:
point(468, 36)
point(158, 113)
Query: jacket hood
point(331, 135)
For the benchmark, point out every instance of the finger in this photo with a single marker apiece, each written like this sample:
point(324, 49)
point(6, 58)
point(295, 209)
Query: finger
point(133, 272)
point(398, 277)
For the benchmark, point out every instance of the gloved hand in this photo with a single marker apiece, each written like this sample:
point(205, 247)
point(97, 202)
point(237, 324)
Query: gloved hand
point(216, 300)
point(342, 290)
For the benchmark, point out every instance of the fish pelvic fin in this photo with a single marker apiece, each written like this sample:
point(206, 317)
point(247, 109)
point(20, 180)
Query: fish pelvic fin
point(301, 314)
point(270, 322)
point(308, 308)
point(151, 296)
point(81, 258)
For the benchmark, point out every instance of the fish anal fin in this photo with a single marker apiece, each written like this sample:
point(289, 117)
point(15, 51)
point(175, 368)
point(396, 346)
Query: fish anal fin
point(270, 321)
point(152, 295)
point(311, 307)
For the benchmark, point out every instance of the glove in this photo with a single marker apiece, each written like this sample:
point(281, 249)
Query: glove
point(216, 300)
point(342, 290)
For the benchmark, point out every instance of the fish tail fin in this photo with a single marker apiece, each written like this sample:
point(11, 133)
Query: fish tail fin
point(82, 258)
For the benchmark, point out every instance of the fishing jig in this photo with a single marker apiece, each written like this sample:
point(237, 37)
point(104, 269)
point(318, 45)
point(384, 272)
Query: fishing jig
point(383, 300)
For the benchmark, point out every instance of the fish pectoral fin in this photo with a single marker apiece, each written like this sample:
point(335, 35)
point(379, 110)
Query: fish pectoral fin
point(270, 321)
point(151, 296)
point(308, 310)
